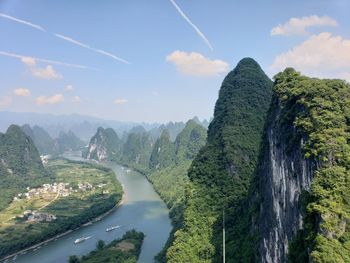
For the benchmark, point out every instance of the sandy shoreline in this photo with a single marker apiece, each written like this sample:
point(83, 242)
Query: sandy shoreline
point(67, 232)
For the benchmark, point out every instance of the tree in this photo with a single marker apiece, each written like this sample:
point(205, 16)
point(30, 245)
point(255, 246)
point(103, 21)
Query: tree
point(73, 259)
point(100, 245)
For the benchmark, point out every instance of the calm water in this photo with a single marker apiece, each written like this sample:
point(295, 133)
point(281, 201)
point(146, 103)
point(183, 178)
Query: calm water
point(142, 210)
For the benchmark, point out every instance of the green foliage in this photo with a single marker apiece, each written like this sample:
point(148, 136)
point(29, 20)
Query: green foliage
point(42, 140)
point(170, 178)
point(163, 153)
point(20, 164)
point(68, 141)
point(221, 173)
point(100, 245)
point(189, 141)
point(106, 141)
point(71, 211)
point(127, 249)
point(320, 111)
point(137, 151)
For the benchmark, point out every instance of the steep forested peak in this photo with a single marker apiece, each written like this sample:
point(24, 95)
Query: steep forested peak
point(18, 153)
point(137, 129)
point(242, 90)
point(163, 153)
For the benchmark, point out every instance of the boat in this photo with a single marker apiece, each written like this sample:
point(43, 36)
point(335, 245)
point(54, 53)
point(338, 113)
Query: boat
point(82, 239)
point(112, 228)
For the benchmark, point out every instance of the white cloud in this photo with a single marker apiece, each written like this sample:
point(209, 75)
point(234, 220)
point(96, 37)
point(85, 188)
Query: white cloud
point(30, 61)
point(69, 88)
point(199, 33)
point(76, 99)
point(155, 93)
point(120, 101)
point(5, 101)
point(321, 55)
point(196, 64)
point(298, 26)
point(21, 92)
point(45, 73)
point(54, 99)
point(22, 22)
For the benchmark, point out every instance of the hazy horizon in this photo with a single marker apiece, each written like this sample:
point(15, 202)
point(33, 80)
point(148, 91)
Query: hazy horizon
point(157, 61)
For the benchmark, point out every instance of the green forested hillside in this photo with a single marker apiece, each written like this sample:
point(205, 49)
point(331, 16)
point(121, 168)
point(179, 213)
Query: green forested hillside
point(124, 250)
point(137, 151)
point(20, 164)
point(68, 141)
point(320, 110)
point(42, 140)
point(169, 177)
point(163, 153)
point(221, 173)
point(104, 145)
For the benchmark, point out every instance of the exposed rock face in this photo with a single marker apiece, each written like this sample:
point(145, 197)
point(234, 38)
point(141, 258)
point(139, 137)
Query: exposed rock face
point(104, 145)
point(284, 174)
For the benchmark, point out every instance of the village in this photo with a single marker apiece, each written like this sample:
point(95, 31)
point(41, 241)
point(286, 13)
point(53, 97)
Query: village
point(47, 191)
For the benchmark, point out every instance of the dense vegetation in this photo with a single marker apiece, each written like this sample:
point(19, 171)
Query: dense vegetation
point(169, 164)
point(137, 150)
point(104, 145)
point(124, 250)
point(320, 111)
point(47, 145)
point(77, 208)
point(20, 165)
point(68, 141)
point(221, 173)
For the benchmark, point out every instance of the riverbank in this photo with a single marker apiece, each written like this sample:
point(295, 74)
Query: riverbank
point(21, 252)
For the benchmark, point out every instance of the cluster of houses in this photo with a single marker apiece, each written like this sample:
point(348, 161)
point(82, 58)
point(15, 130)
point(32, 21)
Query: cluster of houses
point(36, 216)
point(62, 189)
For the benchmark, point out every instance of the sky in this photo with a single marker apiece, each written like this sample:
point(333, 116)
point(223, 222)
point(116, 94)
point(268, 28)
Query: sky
point(158, 60)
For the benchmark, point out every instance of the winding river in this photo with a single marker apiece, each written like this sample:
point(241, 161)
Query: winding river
point(142, 210)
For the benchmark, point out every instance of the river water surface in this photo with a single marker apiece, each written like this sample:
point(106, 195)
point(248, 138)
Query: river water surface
point(142, 210)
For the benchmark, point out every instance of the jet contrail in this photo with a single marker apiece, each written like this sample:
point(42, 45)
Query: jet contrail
point(21, 57)
point(102, 52)
point(23, 22)
point(71, 40)
point(201, 35)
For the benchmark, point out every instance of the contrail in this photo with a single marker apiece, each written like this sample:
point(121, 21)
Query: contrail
point(21, 57)
point(71, 40)
point(102, 52)
point(201, 35)
point(23, 22)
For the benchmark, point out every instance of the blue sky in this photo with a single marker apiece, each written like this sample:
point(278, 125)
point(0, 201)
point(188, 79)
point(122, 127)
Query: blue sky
point(174, 72)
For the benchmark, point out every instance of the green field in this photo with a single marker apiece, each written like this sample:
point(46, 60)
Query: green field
point(89, 191)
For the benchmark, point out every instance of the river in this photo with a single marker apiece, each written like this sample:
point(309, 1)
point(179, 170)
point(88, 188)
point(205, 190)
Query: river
point(142, 210)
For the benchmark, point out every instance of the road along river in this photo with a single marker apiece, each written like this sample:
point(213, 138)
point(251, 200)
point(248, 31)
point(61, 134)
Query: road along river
point(142, 210)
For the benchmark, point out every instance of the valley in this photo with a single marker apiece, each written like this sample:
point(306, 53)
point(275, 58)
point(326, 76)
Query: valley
point(79, 193)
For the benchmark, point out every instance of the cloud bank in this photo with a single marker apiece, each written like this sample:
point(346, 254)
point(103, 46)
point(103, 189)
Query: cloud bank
point(120, 101)
point(298, 26)
point(22, 92)
point(322, 55)
point(195, 64)
point(54, 99)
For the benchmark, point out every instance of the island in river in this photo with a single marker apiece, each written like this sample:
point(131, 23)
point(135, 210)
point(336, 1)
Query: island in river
point(75, 193)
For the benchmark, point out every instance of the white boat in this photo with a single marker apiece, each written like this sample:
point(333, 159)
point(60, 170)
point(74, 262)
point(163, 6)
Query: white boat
point(112, 228)
point(82, 239)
